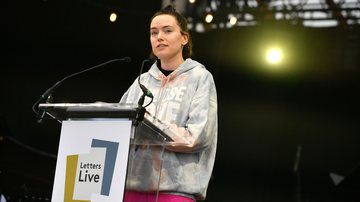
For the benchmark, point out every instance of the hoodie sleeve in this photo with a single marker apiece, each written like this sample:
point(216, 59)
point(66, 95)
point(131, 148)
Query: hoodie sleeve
point(129, 95)
point(201, 126)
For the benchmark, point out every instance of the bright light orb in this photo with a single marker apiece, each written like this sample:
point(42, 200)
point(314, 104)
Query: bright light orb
point(113, 17)
point(209, 18)
point(274, 56)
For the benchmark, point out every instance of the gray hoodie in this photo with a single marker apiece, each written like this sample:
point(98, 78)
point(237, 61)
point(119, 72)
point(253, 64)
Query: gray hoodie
point(186, 101)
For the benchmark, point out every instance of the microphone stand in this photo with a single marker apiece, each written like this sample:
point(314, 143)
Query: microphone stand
point(48, 93)
point(41, 117)
point(296, 169)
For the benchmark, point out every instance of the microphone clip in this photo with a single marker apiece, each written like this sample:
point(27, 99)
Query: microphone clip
point(140, 111)
point(41, 115)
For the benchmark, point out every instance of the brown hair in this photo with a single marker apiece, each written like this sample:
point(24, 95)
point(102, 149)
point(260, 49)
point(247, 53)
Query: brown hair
point(182, 22)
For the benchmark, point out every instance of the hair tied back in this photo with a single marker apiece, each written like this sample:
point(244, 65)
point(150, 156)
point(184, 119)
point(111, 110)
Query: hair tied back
point(169, 8)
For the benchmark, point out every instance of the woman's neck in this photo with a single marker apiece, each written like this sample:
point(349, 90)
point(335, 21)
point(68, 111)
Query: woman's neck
point(171, 64)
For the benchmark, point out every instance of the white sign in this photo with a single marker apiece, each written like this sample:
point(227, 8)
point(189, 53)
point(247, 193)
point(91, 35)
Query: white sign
point(92, 160)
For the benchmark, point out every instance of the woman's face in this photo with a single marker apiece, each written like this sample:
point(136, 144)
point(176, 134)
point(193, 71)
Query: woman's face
point(165, 36)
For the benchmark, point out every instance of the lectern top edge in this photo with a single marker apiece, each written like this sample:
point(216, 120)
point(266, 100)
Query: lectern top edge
point(62, 111)
point(102, 105)
point(65, 111)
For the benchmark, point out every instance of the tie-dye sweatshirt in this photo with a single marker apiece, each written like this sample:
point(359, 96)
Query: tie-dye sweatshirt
point(186, 101)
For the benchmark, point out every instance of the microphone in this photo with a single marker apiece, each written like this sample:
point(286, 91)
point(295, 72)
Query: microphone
point(47, 95)
point(146, 91)
point(140, 111)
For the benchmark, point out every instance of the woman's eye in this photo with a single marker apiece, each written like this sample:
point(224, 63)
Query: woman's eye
point(153, 33)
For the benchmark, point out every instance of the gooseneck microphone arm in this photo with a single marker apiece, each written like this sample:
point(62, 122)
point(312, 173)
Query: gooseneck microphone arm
point(47, 95)
point(140, 111)
point(145, 91)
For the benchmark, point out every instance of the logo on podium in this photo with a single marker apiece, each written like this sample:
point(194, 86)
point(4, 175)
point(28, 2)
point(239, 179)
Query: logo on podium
point(90, 173)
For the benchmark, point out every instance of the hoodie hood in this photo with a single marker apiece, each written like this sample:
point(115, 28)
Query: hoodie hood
point(187, 65)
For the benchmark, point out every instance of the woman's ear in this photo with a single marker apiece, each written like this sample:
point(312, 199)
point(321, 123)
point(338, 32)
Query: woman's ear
point(185, 38)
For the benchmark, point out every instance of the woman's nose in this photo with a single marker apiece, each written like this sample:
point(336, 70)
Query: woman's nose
point(160, 36)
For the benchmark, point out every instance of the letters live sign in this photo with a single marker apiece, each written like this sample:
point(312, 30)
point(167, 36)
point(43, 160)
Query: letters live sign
point(91, 154)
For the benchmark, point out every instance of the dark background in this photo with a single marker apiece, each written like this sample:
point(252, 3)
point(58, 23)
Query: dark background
point(308, 113)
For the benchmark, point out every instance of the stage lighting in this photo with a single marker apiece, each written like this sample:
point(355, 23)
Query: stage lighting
point(232, 20)
point(209, 18)
point(113, 17)
point(274, 56)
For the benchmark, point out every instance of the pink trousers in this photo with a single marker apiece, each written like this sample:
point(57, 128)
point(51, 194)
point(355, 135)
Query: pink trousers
point(132, 196)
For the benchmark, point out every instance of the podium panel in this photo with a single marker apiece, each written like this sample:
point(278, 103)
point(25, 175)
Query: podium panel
point(99, 146)
point(146, 151)
point(92, 160)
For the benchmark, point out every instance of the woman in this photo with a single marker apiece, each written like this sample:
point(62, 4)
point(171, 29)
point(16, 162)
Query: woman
point(185, 99)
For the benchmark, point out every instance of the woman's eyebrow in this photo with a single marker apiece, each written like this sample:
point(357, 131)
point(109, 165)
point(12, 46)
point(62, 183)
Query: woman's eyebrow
point(163, 27)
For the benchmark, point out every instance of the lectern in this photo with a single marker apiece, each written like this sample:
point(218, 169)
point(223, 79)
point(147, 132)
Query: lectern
point(96, 148)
